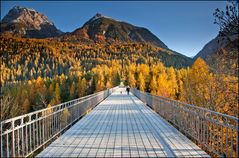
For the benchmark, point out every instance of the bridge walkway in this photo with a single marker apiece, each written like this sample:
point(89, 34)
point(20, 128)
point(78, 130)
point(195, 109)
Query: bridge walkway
point(122, 126)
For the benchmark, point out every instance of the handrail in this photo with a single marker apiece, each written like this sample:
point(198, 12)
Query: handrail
point(23, 135)
point(215, 132)
point(45, 109)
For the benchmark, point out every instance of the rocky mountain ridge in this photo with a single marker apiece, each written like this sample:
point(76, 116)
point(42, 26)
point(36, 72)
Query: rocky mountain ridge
point(27, 22)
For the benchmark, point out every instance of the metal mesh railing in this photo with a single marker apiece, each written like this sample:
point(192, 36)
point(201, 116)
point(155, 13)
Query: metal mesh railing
point(215, 132)
point(21, 136)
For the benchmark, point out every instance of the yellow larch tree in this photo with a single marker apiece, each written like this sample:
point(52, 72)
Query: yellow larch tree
point(163, 85)
point(198, 85)
point(141, 82)
point(153, 85)
point(131, 75)
point(172, 81)
point(57, 94)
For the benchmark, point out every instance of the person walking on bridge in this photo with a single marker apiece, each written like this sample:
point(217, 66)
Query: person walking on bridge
point(128, 89)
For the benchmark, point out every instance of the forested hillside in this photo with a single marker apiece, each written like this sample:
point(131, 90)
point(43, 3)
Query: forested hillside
point(24, 59)
point(41, 73)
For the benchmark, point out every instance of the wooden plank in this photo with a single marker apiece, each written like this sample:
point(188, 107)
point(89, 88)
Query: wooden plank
point(111, 140)
point(131, 135)
point(125, 126)
point(140, 144)
point(102, 139)
point(122, 126)
point(83, 148)
point(117, 148)
point(144, 135)
point(153, 150)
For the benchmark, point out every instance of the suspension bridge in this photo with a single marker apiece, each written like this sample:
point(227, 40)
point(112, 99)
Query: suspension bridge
point(112, 123)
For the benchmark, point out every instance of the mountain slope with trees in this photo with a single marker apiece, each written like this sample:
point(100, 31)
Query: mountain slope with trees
point(102, 29)
point(99, 31)
point(39, 73)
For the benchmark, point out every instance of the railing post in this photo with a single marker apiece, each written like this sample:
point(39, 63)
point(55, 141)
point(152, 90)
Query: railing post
point(13, 139)
point(37, 133)
point(30, 134)
point(22, 121)
point(7, 146)
point(237, 139)
point(1, 141)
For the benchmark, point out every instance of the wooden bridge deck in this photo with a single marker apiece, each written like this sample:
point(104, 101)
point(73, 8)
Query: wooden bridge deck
point(122, 126)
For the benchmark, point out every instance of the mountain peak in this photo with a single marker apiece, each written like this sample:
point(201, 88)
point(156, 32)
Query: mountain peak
point(20, 9)
point(25, 15)
point(27, 22)
point(98, 15)
point(17, 7)
point(105, 29)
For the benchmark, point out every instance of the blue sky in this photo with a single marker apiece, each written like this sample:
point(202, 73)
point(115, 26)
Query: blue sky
point(183, 26)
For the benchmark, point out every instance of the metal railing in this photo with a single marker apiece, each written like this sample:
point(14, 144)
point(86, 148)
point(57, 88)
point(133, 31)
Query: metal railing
point(23, 135)
point(214, 132)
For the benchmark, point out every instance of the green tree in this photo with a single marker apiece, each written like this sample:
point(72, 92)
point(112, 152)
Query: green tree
point(116, 79)
point(73, 91)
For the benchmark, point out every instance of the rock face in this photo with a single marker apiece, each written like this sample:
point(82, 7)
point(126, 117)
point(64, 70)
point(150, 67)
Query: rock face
point(105, 29)
point(215, 45)
point(26, 22)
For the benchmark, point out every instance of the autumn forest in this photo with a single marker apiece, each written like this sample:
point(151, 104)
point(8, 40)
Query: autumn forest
point(41, 73)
